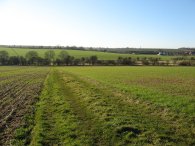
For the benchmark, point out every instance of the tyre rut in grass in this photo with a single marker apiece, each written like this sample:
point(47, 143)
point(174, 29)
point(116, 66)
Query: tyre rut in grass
point(60, 119)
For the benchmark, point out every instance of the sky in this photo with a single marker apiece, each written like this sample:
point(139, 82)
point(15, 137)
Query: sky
point(98, 23)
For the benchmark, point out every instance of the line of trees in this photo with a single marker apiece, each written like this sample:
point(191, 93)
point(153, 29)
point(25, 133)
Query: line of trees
point(50, 58)
point(64, 59)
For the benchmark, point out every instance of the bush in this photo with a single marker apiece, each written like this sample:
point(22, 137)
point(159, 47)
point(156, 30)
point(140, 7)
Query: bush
point(185, 63)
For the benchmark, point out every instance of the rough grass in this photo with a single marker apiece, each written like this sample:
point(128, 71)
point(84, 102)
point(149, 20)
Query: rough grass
point(167, 86)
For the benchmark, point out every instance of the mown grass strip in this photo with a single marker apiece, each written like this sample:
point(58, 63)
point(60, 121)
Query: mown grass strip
point(59, 118)
point(52, 115)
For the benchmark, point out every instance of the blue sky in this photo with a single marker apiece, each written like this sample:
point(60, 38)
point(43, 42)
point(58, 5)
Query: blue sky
point(98, 23)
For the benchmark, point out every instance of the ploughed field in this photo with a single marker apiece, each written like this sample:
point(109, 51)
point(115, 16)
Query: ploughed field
point(97, 106)
point(19, 91)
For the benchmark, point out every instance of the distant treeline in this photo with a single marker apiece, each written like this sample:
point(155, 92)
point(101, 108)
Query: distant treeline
point(151, 51)
point(47, 47)
point(64, 59)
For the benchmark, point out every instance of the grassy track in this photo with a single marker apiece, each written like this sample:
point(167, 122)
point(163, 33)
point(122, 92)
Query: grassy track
point(81, 106)
point(60, 119)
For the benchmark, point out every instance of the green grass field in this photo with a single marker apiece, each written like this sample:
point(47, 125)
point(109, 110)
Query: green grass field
point(79, 53)
point(101, 106)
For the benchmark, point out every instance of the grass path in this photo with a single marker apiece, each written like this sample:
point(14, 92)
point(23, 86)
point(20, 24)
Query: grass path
point(55, 124)
point(60, 119)
point(79, 111)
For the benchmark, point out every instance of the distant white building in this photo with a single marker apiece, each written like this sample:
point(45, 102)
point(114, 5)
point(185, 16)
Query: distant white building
point(161, 53)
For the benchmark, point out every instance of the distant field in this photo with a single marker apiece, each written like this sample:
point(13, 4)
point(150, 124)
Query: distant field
point(97, 106)
point(79, 54)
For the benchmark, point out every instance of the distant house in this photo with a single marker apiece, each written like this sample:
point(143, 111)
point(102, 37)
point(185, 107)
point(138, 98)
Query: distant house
point(188, 53)
point(161, 53)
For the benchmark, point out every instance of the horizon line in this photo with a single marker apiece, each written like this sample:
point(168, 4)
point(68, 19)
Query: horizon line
point(64, 46)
